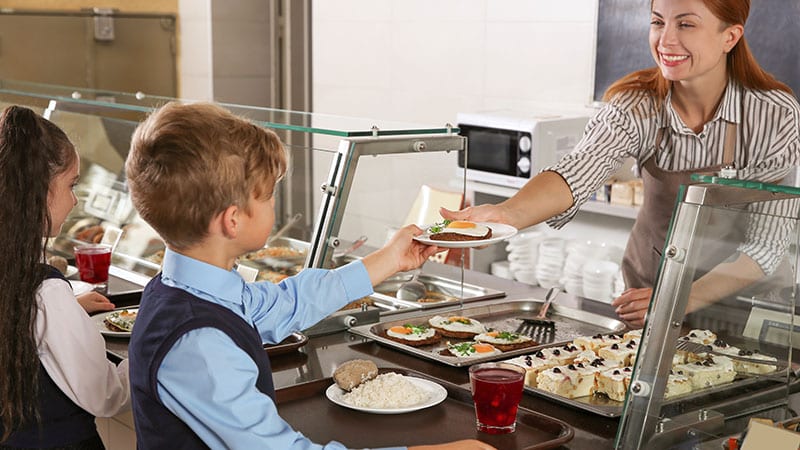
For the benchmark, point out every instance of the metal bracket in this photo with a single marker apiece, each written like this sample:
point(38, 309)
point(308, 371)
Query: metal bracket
point(686, 427)
point(103, 24)
point(328, 189)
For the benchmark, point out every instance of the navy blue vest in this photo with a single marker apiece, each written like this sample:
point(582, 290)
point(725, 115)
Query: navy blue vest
point(166, 314)
point(63, 423)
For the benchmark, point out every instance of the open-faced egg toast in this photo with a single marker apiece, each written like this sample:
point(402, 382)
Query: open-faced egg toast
point(413, 335)
point(459, 230)
point(471, 350)
point(505, 340)
point(457, 326)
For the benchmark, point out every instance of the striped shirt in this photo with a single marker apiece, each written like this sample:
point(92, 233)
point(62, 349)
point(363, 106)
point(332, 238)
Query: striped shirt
point(767, 143)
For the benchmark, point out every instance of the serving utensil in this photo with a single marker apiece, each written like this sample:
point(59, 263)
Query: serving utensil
point(413, 289)
point(540, 326)
point(286, 227)
point(698, 349)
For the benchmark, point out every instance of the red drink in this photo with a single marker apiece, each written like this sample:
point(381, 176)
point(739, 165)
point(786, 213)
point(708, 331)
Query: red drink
point(93, 262)
point(496, 391)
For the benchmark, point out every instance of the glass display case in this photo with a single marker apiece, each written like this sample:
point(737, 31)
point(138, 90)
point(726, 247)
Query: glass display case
point(351, 182)
point(717, 347)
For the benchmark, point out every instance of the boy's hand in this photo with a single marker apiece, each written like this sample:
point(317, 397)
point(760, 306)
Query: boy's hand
point(401, 253)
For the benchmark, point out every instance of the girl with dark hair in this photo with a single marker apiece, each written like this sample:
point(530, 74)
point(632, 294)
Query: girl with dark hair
point(706, 105)
point(54, 375)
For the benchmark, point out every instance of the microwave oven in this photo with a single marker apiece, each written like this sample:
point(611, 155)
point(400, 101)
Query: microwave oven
point(507, 148)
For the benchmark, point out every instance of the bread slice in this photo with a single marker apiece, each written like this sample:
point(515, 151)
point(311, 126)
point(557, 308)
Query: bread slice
point(449, 236)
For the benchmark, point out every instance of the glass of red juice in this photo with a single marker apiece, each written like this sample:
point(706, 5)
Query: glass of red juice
point(496, 391)
point(93, 261)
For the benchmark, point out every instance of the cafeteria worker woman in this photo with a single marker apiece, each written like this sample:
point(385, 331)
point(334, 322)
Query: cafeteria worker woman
point(707, 104)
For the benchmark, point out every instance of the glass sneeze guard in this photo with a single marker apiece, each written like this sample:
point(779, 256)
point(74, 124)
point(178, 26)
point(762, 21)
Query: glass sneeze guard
point(727, 279)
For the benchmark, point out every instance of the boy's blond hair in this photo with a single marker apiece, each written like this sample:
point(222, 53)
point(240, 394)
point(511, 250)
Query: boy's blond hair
point(189, 162)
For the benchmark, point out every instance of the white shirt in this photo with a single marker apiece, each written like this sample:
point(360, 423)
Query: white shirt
point(73, 353)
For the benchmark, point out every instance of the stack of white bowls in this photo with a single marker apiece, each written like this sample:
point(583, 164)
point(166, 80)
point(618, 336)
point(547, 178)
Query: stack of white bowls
point(523, 253)
point(599, 277)
point(578, 252)
point(552, 253)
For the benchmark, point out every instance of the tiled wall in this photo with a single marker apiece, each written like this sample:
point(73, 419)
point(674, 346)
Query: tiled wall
point(424, 61)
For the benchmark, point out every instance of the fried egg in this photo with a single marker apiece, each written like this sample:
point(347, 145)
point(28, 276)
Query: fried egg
point(472, 350)
point(465, 228)
point(411, 332)
point(502, 338)
point(457, 324)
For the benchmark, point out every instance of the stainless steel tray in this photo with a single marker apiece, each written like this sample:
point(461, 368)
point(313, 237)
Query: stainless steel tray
point(570, 323)
point(442, 292)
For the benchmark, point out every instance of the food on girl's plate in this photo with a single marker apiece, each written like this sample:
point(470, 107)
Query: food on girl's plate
point(505, 341)
point(470, 350)
point(413, 335)
point(275, 252)
point(457, 326)
point(121, 321)
point(59, 262)
point(93, 234)
point(354, 372)
point(387, 390)
point(459, 230)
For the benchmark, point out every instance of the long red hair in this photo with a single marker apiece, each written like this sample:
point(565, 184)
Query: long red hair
point(741, 64)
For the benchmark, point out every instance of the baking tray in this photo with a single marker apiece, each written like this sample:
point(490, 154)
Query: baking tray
point(569, 322)
point(308, 410)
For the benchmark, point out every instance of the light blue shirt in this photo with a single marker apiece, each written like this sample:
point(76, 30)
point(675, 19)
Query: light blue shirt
point(210, 383)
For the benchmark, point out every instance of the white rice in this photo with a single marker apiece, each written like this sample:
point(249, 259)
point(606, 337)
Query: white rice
point(388, 390)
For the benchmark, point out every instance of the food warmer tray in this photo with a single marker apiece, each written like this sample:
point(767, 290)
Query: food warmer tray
point(441, 292)
point(308, 410)
point(569, 323)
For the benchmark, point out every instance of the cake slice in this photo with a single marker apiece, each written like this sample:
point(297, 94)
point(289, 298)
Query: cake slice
point(570, 381)
point(597, 341)
point(613, 383)
point(712, 371)
point(677, 384)
point(623, 354)
point(533, 364)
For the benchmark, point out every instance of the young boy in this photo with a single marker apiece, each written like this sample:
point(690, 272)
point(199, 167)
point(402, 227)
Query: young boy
point(204, 180)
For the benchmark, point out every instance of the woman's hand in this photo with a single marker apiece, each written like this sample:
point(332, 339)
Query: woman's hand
point(93, 302)
point(632, 306)
point(480, 213)
point(469, 444)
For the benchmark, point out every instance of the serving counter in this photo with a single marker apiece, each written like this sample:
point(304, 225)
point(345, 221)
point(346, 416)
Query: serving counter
point(350, 183)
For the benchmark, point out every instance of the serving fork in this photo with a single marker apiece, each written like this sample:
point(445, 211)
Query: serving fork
point(699, 348)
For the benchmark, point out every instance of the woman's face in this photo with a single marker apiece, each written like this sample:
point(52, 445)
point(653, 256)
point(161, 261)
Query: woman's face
point(61, 198)
point(688, 42)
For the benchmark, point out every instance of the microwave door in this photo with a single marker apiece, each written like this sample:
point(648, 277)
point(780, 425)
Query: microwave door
point(490, 150)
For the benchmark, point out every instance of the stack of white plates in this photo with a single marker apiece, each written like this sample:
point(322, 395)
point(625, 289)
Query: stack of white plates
point(599, 278)
point(552, 253)
point(578, 252)
point(523, 253)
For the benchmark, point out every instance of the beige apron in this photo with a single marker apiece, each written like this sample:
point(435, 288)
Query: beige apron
point(642, 253)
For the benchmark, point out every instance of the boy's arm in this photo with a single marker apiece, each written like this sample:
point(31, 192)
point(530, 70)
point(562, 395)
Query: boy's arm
point(400, 254)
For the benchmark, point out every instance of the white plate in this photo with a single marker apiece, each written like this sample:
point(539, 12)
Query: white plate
point(99, 318)
point(80, 287)
point(500, 232)
point(71, 272)
point(436, 395)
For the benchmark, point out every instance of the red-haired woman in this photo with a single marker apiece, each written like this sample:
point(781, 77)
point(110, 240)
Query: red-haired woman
point(707, 104)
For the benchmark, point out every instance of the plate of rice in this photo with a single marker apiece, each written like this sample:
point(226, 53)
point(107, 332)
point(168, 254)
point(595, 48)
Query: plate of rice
point(389, 393)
